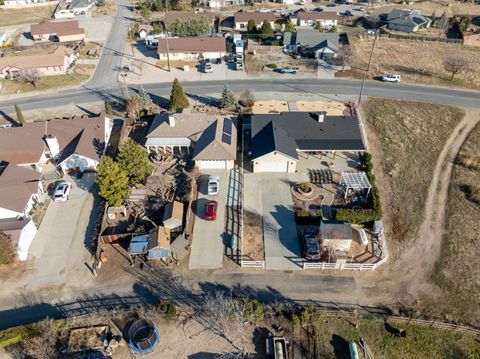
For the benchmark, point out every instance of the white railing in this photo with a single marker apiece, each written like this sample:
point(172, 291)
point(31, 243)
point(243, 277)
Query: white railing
point(253, 264)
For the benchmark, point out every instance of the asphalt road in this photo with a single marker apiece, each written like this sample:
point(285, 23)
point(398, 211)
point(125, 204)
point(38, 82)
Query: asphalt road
point(327, 88)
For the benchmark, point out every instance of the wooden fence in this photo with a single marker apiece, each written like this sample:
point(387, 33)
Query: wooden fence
point(386, 35)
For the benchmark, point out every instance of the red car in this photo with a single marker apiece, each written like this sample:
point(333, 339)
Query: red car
point(211, 211)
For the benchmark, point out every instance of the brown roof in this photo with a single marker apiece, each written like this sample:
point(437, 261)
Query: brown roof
point(258, 17)
point(316, 15)
point(192, 44)
point(12, 228)
point(59, 28)
point(17, 184)
point(26, 144)
point(214, 144)
point(170, 17)
point(33, 61)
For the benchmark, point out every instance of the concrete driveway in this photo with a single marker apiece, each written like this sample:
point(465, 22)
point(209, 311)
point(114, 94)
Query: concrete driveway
point(268, 194)
point(59, 250)
point(208, 236)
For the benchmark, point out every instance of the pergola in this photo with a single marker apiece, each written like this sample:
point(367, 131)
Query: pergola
point(355, 181)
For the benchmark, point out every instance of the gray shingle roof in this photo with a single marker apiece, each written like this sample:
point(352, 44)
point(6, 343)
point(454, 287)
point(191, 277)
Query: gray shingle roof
point(311, 38)
point(302, 130)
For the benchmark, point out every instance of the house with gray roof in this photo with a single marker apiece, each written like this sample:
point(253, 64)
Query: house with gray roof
point(407, 20)
point(211, 140)
point(277, 139)
point(311, 43)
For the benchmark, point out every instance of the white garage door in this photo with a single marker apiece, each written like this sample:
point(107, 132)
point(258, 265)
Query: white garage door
point(274, 166)
point(213, 165)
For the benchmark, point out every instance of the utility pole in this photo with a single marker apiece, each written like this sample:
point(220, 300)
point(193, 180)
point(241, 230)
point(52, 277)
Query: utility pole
point(368, 67)
point(166, 37)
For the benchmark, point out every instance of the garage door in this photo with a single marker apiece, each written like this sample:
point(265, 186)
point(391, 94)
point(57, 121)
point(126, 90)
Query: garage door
point(271, 166)
point(213, 165)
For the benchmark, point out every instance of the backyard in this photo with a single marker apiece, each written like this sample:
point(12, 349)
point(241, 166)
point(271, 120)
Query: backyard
point(411, 136)
point(25, 15)
point(458, 270)
point(427, 66)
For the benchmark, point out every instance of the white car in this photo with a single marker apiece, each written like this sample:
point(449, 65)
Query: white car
point(207, 67)
point(212, 185)
point(62, 191)
point(391, 78)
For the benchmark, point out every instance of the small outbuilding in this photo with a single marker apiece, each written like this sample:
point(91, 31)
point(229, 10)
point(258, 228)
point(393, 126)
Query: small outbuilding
point(158, 244)
point(336, 235)
point(173, 216)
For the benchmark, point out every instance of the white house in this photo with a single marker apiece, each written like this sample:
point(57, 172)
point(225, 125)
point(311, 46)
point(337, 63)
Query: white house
point(144, 31)
point(312, 43)
point(309, 18)
point(21, 233)
point(242, 18)
point(191, 48)
point(277, 139)
point(210, 139)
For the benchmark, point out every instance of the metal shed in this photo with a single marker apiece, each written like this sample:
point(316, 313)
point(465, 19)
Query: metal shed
point(336, 235)
point(159, 244)
point(173, 216)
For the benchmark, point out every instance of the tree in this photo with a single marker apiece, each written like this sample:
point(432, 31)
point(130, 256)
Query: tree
point(108, 108)
point(289, 27)
point(247, 99)
point(455, 65)
point(177, 97)
point(147, 102)
point(134, 106)
point(146, 13)
point(194, 27)
point(251, 27)
point(332, 28)
point(266, 29)
point(113, 182)
point(100, 3)
point(20, 119)
point(29, 76)
point(133, 160)
point(318, 26)
point(228, 100)
point(157, 28)
point(344, 56)
point(44, 344)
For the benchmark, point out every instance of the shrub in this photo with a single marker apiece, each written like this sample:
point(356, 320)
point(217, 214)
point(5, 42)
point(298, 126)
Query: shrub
point(7, 252)
point(303, 213)
point(168, 309)
point(305, 187)
point(271, 66)
point(295, 321)
point(255, 310)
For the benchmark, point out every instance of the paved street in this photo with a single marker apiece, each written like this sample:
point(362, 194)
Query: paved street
point(208, 236)
point(268, 194)
point(57, 248)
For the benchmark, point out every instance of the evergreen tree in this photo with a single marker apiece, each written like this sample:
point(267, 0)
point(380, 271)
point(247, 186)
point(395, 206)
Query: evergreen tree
point(177, 97)
point(146, 101)
point(133, 160)
point(228, 100)
point(332, 28)
point(289, 27)
point(318, 26)
point(113, 182)
point(20, 119)
point(108, 108)
point(251, 27)
point(266, 29)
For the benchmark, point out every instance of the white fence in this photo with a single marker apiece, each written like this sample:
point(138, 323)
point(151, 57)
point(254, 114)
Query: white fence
point(253, 264)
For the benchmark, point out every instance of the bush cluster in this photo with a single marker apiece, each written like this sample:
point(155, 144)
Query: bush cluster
point(168, 309)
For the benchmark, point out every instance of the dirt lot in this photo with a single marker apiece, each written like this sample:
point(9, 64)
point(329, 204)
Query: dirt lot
point(429, 7)
point(265, 107)
point(26, 15)
point(458, 270)
point(253, 247)
point(81, 73)
point(411, 135)
point(107, 10)
point(333, 108)
point(426, 66)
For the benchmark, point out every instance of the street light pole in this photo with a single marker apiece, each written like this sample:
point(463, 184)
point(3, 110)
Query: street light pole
point(368, 68)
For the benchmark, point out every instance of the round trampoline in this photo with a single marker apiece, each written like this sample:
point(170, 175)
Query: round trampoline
point(143, 336)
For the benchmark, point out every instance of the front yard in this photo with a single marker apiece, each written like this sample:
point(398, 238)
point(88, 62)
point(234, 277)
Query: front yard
point(26, 15)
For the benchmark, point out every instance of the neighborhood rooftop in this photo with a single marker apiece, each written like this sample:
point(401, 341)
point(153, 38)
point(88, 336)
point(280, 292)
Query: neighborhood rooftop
point(45, 59)
point(311, 38)
point(60, 28)
point(258, 17)
point(317, 15)
point(194, 44)
point(16, 186)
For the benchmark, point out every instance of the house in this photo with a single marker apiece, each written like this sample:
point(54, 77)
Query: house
point(191, 48)
point(21, 233)
point(173, 217)
point(241, 19)
point(154, 245)
point(310, 18)
point(74, 144)
point(80, 7)
point(217, 4)
point(23, 2)
point(61, 31)
point(278, 139)
point(311, 43)
point(407, 20)
point(184, 16)
point(336, 235)
point(20, 188)
point(144, 30)
point(56, 62)
point(211, 139)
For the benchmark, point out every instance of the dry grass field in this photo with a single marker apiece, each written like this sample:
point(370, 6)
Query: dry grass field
point(411, 136)
point(417, 61)
point(452, 7)
point(458, 271)
point(25, 15)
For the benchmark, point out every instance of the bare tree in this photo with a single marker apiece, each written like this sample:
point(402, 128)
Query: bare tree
point(43, 345)
point(455, 65)
point(29, 76)
point(344, 57)
point(134, 106)
point(247, 99)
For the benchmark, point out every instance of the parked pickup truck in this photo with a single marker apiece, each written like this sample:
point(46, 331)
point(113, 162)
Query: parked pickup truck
point(288, 70)
point(212, 185)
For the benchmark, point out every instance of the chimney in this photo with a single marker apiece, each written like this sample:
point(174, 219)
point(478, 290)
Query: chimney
point(53, 145)
point(320, 116)
point(171, 120)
